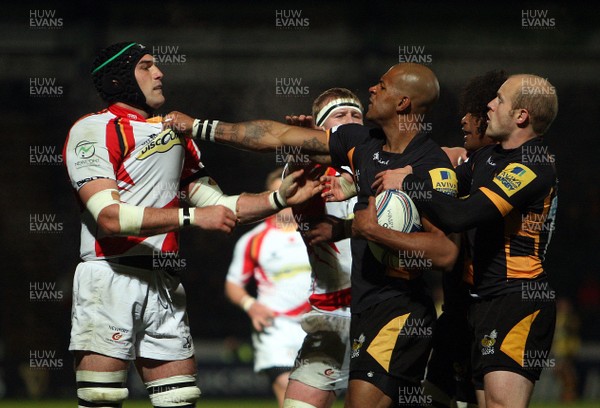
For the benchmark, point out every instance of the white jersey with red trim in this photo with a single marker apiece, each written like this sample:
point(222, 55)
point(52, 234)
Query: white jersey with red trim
point(331, 262)
point(147, 163)
point(277, 260)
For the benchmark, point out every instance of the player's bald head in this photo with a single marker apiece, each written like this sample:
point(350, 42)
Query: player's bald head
point(418, 82)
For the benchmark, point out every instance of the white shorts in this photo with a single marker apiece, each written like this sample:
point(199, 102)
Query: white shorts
point(324, 359)
point(126, 312)
point(277, 345)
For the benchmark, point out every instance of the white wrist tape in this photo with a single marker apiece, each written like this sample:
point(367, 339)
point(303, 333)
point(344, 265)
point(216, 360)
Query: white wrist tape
point(130, 216)
point(186, 216)
point(247, 302)
point(195, 127)
point(277, 201)
point(207, 192)
point(204, 129)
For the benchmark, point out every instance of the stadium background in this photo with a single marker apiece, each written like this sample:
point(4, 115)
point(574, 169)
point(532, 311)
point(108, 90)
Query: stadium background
point(239, 60)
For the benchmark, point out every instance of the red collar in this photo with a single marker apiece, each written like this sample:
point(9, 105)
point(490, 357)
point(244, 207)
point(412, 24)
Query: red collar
point(123, 112)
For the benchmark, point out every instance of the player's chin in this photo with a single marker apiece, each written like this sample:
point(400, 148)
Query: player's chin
point(156, 101)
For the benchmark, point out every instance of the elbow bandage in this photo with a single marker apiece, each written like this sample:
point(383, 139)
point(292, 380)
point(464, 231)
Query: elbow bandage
point(207, 192)
point(130, 216)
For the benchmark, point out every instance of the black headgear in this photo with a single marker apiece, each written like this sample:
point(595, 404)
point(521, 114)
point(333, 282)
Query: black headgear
point(113, 73)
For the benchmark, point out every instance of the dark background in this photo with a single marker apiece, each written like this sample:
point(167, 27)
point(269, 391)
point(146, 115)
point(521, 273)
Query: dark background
point(225, 58)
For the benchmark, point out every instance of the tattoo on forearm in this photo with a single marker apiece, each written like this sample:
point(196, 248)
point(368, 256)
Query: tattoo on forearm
point(265, 135)
point(254, 132)
point(314, 145)
point(247, 134)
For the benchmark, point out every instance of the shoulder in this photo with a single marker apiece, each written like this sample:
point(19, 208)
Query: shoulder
point(435, 156)
point(92, 124)
point(481, 154)
point(355, 131)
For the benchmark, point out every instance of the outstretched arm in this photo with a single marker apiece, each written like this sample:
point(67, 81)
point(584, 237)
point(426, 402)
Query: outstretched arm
point(257, 135)
point(248, 207)
point(102, 200)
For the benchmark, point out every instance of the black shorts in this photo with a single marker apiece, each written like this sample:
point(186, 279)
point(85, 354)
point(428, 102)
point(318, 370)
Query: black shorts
point(512, 333)
point(449, 367)
point(391, 342)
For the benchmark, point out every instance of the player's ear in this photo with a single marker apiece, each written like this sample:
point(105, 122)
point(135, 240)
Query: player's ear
point(403, 104)
point(522, 117)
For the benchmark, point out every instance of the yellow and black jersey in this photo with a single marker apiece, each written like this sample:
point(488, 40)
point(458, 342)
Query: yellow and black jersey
point(361, 148)
point(512, 206)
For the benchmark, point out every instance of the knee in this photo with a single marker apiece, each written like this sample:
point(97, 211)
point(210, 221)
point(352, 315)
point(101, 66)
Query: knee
point(178, 389)
point(95, 388)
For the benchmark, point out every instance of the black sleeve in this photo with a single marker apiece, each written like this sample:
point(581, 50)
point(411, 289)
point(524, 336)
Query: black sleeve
point(448, 213)
point(342, 139)
point(464, 176)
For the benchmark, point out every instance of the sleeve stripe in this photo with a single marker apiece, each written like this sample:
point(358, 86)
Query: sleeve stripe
point(350, 155)
point(501, 204)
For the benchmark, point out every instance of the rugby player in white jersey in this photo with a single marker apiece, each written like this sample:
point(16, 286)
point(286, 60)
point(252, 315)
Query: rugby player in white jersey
point(272, 255)
point(130, 176)
point(321, 369)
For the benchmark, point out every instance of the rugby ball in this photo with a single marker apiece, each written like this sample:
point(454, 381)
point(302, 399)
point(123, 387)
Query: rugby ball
point(396, 211)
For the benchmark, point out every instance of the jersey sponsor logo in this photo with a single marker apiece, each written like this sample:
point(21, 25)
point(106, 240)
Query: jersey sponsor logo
point(88, 179)
point(85, 149)
point(161, 143)
point(514, 177)
point(444, 180)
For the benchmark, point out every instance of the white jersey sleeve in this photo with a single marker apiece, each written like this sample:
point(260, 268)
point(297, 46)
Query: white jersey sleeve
point(87, 153)
point(241, 269)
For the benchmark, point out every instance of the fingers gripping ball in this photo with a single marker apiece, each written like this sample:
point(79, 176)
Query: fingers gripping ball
point(396, 211)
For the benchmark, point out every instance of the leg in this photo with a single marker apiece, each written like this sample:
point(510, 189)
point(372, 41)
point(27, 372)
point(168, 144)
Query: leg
point(279, 386)
point(507, 389)
point(100, 380)
point(170, 383)
point(439, 396)
point(312, 397)
point(480, 394)
point(363, 394)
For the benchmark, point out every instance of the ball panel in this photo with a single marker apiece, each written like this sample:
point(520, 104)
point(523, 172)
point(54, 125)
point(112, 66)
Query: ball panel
point(396, 211)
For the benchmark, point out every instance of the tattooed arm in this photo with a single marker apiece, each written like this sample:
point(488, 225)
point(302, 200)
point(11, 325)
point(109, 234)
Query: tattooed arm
point(258, 135)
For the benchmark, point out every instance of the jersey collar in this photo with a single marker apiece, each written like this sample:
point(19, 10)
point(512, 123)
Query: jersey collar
point(123, 112)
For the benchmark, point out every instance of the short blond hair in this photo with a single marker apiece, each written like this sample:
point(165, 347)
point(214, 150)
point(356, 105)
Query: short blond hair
point(538, 96)
point(330, 94)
